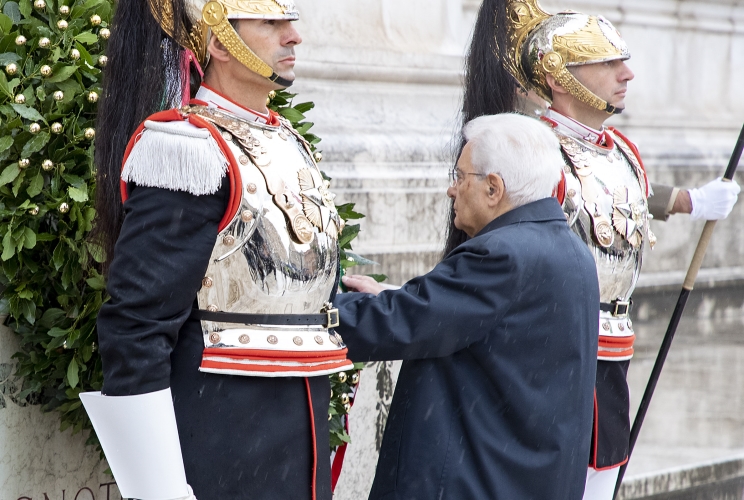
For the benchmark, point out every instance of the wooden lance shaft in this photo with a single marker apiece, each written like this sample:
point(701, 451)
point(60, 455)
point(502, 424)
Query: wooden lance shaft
point(689, 283)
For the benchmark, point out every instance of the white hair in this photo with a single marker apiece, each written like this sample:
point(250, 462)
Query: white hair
point(522, 150)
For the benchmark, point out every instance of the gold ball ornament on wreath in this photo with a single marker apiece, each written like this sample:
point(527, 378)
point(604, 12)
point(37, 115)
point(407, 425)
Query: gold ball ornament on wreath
point(64, 208)
point(40, 4)
point(20, 40)
point(318, 156)
point(95, 19)
point(56, 128)
point(105, 33)
point(34, 128)
point(102, 60)
point(92, 96)
point(347, 407)
point(34, 211)
point(342, 377)
point(46, 70)
point(64, 10)
point(89, 133)
point(11, 69)
point(20, 99)
point(44, 42)
point(24, 163)
point(74, 54)
point(62, 24)
point(47, 165)
point(354, 378)
point(344, 398)
point(58, 95)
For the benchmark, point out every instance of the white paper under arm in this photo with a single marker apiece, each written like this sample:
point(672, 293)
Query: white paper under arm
point(140, 439)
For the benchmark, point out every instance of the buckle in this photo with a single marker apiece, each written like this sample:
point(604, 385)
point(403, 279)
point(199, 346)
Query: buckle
point(332, 315)
point(621, 309)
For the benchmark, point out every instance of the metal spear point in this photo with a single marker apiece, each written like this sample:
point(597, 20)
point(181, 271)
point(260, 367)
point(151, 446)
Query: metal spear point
point(692, 272)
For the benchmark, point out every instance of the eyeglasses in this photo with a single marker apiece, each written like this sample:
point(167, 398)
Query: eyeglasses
point(456, 176)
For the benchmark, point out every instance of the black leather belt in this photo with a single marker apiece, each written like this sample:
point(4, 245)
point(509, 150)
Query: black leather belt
point(616, 307)
point(328, 319)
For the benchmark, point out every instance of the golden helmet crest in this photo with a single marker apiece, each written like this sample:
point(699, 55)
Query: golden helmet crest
point(541, 44)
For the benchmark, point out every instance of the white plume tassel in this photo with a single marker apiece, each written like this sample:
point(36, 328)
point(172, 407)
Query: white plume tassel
point(176, 156)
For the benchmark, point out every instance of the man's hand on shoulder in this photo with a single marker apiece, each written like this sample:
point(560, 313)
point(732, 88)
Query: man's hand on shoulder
point(713, 201)
point(364, 284)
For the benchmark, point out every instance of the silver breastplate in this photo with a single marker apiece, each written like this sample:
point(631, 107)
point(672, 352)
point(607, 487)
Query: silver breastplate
point(606, 207)
point(279, 254)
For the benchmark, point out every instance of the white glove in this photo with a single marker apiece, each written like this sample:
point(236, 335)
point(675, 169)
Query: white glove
point(714, 201)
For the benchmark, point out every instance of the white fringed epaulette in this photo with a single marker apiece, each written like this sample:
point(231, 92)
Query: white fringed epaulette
point(177, 156)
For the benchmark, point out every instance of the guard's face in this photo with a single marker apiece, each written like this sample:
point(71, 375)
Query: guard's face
point(469, 195)
point(608, 80)
point(273, 41)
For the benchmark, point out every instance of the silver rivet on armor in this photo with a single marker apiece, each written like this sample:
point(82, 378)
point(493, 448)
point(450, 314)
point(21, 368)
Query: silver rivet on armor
point(246, 216)
point(214, 338)
point(272, 339)
point(228, 240)
point(244, 339)
point(212, 308)
point(567, 169)
point(319, 340)
point(571, 193)
point(251, 188)
point(593, 153)
point(338, 337)
point(290, 203)
point(630, 325)
point(333, 339)
point(282, 136)
point(244, 159)
point(606, 325)
point(621, 327)
point(268, 133)
point(297, 340)
point(207, 282)
point(227, 136)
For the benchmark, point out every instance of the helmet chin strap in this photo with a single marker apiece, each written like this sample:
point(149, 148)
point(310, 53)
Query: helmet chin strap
point(215, 16)
point(553, 64)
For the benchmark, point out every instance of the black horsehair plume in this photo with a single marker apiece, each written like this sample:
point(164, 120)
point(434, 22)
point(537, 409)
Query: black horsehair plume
point(138, 81)
point(489, 88)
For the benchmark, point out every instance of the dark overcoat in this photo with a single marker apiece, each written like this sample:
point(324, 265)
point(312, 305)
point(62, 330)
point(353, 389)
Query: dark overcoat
point(495, 396)
point(242, 438)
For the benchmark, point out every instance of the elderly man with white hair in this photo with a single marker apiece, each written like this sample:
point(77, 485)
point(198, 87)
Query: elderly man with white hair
point(495, 396)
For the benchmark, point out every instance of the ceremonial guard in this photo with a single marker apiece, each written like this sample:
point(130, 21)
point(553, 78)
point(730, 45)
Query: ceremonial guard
point(576, 62)
point(218, 337)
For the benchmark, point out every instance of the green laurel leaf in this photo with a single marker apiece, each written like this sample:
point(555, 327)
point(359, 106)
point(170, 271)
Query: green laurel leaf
point(36, 185)
point(35, 144)
point(78, 194)
point(86, 37)
point(5, 142)
point(6, 25)
point(28, 113)
point(9, 174)
point(72, 373)
point(62, 73)
point(12, 10)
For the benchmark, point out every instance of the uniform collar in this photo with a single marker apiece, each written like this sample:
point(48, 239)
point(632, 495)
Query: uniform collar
point(542, 210)
point(217, 100)
point(572, 128)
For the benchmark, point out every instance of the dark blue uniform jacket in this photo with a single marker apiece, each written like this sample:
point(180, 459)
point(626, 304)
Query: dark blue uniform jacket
point(495, 397)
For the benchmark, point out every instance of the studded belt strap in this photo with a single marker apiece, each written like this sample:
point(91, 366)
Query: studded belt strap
point(328, 319)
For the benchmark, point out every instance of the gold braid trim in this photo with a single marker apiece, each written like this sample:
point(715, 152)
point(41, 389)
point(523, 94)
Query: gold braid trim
point(215, 17)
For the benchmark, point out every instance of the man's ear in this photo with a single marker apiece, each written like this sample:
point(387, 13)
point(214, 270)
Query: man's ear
point(496, 189)
point(217, 50)
point(555, 87)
